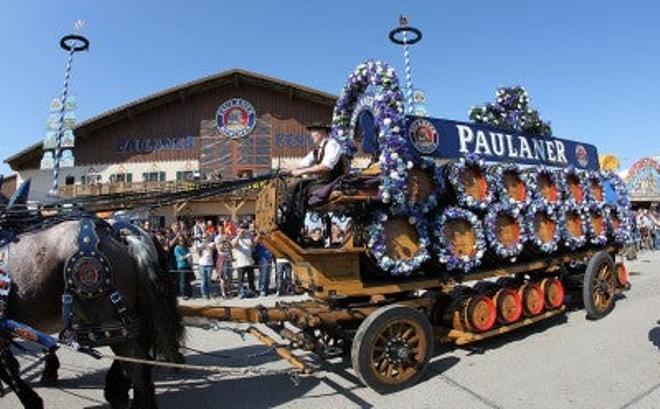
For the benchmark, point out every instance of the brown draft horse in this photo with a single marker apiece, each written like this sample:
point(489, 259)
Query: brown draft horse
point(37, 262)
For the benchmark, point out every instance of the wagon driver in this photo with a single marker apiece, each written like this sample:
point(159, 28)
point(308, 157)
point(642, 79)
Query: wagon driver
point(323, 165)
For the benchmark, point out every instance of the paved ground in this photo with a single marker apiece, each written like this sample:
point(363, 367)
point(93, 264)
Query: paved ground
point(568, 362)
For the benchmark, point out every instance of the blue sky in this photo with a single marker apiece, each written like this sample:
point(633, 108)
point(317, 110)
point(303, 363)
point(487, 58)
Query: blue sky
point(591, 67)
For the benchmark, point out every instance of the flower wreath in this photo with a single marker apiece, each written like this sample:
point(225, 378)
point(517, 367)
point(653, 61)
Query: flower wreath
point(490, 221)
point(568, 196)
point(619, 186)
point(622, 234)
point(499, 171)
point(443, 247)
point(464, 199)
point(595, 177)
point(388, 112)
point(377, 245)
point(571, 241)
point(597, 239)
point(440, 186)
point(532, 177)
point(528, 226)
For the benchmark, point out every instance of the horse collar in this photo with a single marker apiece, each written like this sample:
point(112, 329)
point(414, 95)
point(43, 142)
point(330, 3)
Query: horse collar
point(87, 272)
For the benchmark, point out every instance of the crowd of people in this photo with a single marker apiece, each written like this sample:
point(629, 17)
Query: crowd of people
point(223, 257)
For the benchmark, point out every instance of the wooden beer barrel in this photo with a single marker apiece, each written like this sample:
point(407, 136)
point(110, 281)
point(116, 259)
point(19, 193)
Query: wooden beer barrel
point(402, 238)
point(545, 184)
point(480, 313)
point(532, 299)
point(617, 219)
point(420, 186)
point(574, 231)
point(460, 243)
point(554, 292)
point(597, 225)
point(504, 231)
point(511, 184)
point(542, 228)
point(595, 184)
point(509, 305)
point(574, 185)
point(472, 183)
point(622, 277)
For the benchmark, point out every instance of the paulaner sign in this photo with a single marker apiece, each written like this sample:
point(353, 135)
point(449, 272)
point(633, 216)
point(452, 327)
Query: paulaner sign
point(451, 139)
point(149, 145)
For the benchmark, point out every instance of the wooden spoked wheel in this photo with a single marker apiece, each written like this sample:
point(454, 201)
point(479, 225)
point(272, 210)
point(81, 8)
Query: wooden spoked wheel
point(532, 298)
point(547, 187)
point(554, 292)
point(392, 348)
point(575, 188)
point(509, 305)
point(480, 313)
point(599, 285)
point(622, 275)
point(515, 187)
point(474, 182)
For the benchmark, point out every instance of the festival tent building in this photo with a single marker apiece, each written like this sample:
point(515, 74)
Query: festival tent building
point(231, 125)
point(643, 181)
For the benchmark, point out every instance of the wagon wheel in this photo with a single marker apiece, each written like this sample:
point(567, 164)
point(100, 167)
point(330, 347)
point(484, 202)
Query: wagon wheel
point(392, 348)
point(599, 285)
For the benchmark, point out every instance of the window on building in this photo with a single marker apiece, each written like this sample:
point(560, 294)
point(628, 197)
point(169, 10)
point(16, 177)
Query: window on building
point(70, 180)
point(90, 179)
point(187, 175)
point(121, 178)
point(153, 176)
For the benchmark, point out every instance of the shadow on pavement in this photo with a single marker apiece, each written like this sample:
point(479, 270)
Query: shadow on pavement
point(654, 336)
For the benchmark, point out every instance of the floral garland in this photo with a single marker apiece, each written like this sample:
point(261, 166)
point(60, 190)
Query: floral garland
point(499, 171)
point(511, 111)
point(443, 247)
point(594, 238)
point(533, 175)
point(568, 196)
point(490, 222)
point(394, 157)
point(377, 245)
point(464, 199)
point(619, 186)
point(622, 234)
point(571, 241)
point(550, 211)
point(594, 177)
point(440, 186)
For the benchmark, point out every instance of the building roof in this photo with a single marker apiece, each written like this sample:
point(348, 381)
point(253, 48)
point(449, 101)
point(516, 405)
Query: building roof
point(180, 92)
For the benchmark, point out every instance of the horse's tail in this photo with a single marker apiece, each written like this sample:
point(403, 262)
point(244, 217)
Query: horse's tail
point(157, 303)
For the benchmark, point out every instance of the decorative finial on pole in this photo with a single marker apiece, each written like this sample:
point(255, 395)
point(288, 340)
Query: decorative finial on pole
point(404, 29)
point(71, 43)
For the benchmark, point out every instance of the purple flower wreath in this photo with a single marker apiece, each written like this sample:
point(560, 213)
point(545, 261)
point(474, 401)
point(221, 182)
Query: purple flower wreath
point(498, 171)
point(590, 178)
point(571, 241)
point(431, 202)
point(588, 210)
point(490, 223)
point(464, 199)
point(621, 234)
point(571, 171)
point(377, 245)
point(443, 247)
point(533, 174)
point(395, 159)
point(550, 211)
point(619, 186)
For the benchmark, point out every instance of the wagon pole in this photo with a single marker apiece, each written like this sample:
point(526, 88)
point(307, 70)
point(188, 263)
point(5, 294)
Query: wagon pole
point(71, 43)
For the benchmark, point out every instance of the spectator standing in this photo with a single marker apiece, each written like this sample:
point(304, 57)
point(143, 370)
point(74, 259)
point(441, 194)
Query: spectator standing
point(283, 277)
point(184, 266)
point(242, 246)
point(210, 229)
point(264, 259)
point(223, 265)
point(205, 253)
point(198, 232)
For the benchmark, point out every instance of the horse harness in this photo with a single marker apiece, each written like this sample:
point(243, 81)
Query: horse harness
point(89, 277)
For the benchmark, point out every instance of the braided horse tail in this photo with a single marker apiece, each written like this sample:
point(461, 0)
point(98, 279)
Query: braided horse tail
point(157, 302)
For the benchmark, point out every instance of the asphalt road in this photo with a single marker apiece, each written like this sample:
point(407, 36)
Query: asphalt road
point(567, 362)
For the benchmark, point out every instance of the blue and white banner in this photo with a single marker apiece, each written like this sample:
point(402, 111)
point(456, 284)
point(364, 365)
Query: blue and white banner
point(447, 139)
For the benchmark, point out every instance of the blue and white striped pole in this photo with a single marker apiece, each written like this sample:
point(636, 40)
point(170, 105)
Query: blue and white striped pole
point(406, 42)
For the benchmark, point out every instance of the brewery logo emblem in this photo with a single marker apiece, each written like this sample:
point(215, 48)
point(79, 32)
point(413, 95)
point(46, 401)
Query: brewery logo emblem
point(423, 136)
point(581, 155)
point(236, 118)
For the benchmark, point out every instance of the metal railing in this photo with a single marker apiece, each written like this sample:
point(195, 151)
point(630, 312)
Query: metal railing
point(97, 189)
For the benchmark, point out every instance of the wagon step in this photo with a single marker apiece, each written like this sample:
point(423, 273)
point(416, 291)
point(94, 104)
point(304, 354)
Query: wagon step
point(462, 337)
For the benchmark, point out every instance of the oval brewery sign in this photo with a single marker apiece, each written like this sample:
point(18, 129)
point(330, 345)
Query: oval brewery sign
point(236, 118)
